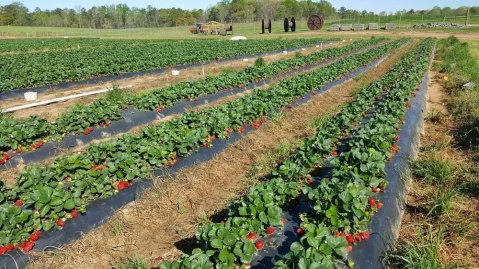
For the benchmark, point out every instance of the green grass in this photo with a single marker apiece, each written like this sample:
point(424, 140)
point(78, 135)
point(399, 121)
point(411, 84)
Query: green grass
point(421, 254)
point(442, 203)
point(474, 49)
point(433, 169)
point(248, 29)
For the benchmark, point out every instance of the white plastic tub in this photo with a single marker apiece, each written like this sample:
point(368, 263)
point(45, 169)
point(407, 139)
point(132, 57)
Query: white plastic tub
point(30, 96)
point(175, 72)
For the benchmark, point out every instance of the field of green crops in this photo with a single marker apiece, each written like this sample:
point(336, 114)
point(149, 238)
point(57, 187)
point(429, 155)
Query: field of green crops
point(338, 171)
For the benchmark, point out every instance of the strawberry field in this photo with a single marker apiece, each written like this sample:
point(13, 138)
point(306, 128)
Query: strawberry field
point(39, 68)
point(322, 196)
point(29, 134)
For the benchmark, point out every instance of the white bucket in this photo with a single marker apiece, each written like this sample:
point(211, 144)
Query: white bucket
point(175, 72)
point(317, 46)
point(285, 52)
point(303, 49)
point(30, 96)
point(245, 59)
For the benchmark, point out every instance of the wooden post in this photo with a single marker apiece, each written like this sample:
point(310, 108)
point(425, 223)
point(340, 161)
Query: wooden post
point(467, 16)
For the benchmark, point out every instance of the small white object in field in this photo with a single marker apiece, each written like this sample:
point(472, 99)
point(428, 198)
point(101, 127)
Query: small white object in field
point(236, 38)
point(303, 49)
point(331, 43)
point(469, 86)
point(344, 40)
point(245, 59)
point(285, 52)
point(175, 72)
point(30, 96)
point(350, 39)
point(317, 46)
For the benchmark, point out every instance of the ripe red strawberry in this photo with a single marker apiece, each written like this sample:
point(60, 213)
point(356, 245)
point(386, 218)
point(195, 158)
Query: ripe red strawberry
point(300, 231)
point(259, 245)
point(88, 131)
point(33, 237)
point(372, 202)
point(7, 156)
point(374, 189)
point(3, 250)
point(309, 182)
point(350, 239)
point(284, 221)
point(123, 185)
point(10, 247)
point(290, 106)
point(342, 234)
point(2, 162)
point(28, 246)
point(349, 248)
point(74, 213)
point(358, 237)
point(60, 223)
point(334, 154)
point(365, 235)
point(336, 233)
point(270, 230)
point(251, 236)
point(18, 202)
point(379, 205)
point(241, 129)
point(397, 138)
point(37, 233)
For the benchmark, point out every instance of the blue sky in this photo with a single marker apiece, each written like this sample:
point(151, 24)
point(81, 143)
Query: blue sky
point(370, 5)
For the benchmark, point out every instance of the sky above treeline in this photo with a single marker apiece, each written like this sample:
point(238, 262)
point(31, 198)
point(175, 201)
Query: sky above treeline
point(369, 5)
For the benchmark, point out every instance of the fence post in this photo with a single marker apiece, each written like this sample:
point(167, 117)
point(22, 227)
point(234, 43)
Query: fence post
point(467, 16)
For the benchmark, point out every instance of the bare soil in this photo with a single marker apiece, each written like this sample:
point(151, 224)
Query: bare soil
point(161, 222)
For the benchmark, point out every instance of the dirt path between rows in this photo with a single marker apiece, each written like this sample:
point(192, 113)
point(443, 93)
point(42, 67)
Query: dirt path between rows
point(139, 84)
point(155, 225)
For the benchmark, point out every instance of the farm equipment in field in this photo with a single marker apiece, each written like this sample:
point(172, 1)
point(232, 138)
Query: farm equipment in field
point(266, 26)
point(199, 29)
point(212, 27)
point(289, 25)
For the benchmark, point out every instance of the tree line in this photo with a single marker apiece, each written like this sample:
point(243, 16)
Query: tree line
point(124, 16)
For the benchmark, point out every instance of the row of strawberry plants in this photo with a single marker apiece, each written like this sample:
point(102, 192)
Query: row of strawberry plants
point(51, 67)
point(43, 44)
point(23, 135)
point(343, 204)
point(235, 240)
point(45, 195)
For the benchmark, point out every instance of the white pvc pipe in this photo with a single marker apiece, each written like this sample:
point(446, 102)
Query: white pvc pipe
point(46, 102)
